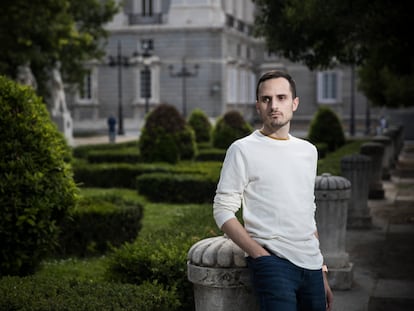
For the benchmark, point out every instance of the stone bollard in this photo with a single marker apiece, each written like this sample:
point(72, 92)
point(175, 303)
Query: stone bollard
point(357, 168)
point(396, 134)
point(218, 270)
point(388, 158)
point(332, 194)
point(376, 153)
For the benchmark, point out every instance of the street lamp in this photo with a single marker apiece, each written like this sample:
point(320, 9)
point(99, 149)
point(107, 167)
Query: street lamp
point(146, 73)
point(120, 61)
point(184, 73)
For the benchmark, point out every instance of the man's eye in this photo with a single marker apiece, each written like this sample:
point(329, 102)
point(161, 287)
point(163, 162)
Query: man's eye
point(265, 99)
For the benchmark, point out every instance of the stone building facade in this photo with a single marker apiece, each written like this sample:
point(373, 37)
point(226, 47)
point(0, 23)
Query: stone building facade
point(197, 54)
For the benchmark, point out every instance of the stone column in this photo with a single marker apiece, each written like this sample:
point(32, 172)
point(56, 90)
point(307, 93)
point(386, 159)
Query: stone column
point(357, 168)
point(376, 153)
point(332, 194)
point(388, 158)
point(218, 270)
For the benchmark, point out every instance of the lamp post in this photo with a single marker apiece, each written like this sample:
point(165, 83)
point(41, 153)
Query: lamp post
point(184, 73)
point(146, 73)
point(120, 61)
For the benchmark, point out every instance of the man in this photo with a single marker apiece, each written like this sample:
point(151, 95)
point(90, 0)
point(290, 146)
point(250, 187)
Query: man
point(272, 175)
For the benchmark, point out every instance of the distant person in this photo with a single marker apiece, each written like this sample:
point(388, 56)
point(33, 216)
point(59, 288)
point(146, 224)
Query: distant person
point(112, 128)
point(382, 125)
point(271, 174)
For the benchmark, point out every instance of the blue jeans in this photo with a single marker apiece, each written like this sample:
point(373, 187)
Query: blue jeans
point(283, 286)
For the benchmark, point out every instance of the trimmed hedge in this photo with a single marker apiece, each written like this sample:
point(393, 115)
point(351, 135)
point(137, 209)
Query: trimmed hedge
point(82, 152)
point(177, 188)
point(123, 155)
point(50, 294)
point(36, 183)
point(211, 154)
point(113, 175)
point(98, 223)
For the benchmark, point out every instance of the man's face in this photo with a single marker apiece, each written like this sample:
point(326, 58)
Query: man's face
point(275, 104)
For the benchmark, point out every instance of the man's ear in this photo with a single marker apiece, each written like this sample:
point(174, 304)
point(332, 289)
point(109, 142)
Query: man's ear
point(295, 103)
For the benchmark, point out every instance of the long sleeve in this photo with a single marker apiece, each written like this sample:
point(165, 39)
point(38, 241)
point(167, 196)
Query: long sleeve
point(229, 194)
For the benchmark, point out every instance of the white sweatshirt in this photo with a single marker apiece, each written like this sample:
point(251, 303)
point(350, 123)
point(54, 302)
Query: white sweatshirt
point(274, 182)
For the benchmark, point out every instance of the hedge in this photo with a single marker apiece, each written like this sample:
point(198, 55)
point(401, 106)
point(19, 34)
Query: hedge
point(177, 188)
point(98, 223)
point(50, 294)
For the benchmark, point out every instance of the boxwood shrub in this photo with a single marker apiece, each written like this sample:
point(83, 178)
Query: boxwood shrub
point(177, 188)
point(36, 183)
point(326, 128)
point(199, 122)
point(112, 175)
point(211, 154)
point(98, 223)
point(50, 294)
point(166, 137)
point(161, 256)
point(83, 151)
point(123, 155)
point(228, 128)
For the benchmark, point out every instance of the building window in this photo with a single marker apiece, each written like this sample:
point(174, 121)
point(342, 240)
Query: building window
point(232, 85)
point(329, 87)
point(147, 7)
point(145, 78)
point(85, 88)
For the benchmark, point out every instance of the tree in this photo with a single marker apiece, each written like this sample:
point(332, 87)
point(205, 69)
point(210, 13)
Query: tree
point(373, 35)
point(42, 32)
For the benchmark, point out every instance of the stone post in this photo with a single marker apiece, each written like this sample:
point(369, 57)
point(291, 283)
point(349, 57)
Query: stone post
point(357, 168)
point(396, 134)
point(376, 152)
point(218, 270)
point(332, 194)
point(388, 158)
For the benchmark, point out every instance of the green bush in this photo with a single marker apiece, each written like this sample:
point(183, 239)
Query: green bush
point(50, 294)
point(156, 260)
point(83, 151)
point(326, 128)
point(98, 223)
point(211, 154)
point(113, 175)
point(123, 155)
point(36, 184)
point(161, 256)
point(230, 127)
point(201, 125)
point(177, 188)
point(166, 137)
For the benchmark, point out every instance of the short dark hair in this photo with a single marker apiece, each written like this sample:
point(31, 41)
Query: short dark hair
point(273, 74)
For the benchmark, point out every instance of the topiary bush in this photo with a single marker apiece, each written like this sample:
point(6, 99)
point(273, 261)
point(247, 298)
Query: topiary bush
point(36, 184)
point(166, 137)
point(98, 223)
point(230, 127)
point(201, 125)
point(326, 128)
